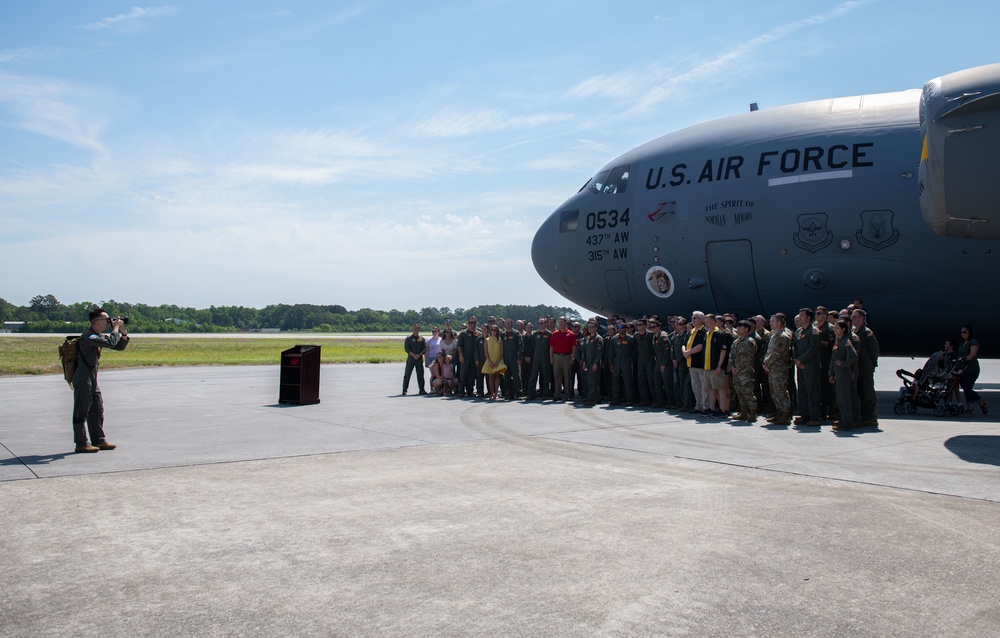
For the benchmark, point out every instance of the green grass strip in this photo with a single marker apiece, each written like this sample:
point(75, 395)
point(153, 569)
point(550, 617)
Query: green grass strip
point(38, 355)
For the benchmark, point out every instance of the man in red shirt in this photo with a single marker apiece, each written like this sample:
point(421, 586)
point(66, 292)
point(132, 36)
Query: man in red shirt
point(562, 349)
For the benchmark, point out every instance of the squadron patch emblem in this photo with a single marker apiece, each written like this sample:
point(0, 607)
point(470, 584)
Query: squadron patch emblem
point(813, 234)
point(660, 282)
point(877, 231)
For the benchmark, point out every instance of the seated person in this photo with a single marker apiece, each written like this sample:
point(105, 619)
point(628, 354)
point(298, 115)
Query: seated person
point(437, 374)
point(443, 381)
point(938, 366)
point(448, 375)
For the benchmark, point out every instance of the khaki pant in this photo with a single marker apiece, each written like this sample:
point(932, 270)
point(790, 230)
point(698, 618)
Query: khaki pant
point(699, 386)
point(563, 372)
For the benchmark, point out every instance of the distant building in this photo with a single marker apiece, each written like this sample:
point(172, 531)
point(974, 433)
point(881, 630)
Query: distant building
point(13, 326)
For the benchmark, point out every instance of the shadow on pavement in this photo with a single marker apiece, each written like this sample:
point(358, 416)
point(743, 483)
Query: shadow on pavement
point(35, 459)
point(975, 448)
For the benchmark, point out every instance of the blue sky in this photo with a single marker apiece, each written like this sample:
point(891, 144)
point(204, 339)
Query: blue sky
point(382, 154)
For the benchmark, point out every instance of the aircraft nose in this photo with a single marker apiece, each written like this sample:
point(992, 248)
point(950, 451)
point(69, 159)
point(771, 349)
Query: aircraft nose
point(544, 255)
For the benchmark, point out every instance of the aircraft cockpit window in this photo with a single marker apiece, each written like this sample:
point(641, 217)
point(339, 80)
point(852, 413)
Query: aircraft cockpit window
point(609, 182)
point(618, 180)
point(597, 183)
point(568, 221)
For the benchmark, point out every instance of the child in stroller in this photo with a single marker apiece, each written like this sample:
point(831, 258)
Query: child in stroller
point(933, 386)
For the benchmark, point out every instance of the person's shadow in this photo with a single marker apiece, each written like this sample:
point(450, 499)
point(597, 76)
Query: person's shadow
point(35, 459)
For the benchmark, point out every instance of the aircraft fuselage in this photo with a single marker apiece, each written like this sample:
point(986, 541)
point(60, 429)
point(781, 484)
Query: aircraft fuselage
point(803, 205)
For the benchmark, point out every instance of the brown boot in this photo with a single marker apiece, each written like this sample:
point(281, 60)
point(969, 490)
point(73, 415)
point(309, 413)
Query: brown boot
point(785, 418)
point(751, 416)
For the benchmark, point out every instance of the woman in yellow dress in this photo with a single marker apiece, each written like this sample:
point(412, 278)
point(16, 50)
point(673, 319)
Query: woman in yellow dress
point(494, 365)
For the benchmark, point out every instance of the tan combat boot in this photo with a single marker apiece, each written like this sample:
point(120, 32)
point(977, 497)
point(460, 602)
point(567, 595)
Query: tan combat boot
point(785, 418)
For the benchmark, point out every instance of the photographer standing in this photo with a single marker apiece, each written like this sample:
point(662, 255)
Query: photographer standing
point(88, 406)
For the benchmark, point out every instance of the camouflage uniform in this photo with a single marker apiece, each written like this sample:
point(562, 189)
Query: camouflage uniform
point(744, 351)
point(778, 360)
point(761, 389)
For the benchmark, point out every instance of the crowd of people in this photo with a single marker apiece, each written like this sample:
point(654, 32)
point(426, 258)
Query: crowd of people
point(820, 368)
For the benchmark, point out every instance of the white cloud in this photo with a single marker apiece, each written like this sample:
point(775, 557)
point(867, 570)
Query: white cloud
point(239, 153)
point(60, 191)
point(26, 54)
point(134, 20)
point(454, 122)
point(67, 112)
point(632, 87)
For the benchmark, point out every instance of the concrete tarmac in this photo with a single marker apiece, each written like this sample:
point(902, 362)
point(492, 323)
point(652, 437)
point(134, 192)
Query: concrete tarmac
point(370, 514)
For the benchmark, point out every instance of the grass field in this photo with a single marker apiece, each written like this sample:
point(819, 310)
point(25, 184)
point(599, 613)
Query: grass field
point(39, 355)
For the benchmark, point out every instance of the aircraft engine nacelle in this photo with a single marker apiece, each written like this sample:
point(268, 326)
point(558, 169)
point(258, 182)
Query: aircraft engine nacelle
point(960, 162)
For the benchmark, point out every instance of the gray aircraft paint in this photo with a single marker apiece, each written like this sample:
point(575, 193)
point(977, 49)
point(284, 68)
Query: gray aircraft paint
point(809, 204)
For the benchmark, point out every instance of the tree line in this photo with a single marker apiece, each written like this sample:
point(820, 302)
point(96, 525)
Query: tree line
point(46, 314)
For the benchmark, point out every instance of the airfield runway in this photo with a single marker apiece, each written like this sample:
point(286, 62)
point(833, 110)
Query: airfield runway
point(371, 514)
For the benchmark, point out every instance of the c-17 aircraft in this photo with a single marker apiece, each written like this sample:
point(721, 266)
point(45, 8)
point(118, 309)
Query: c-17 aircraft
point(894, 198)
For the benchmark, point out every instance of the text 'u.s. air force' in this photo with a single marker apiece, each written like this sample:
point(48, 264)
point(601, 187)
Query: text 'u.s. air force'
point(767, 164)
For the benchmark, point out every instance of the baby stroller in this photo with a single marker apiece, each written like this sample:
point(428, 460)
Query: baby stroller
point(929, 387)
